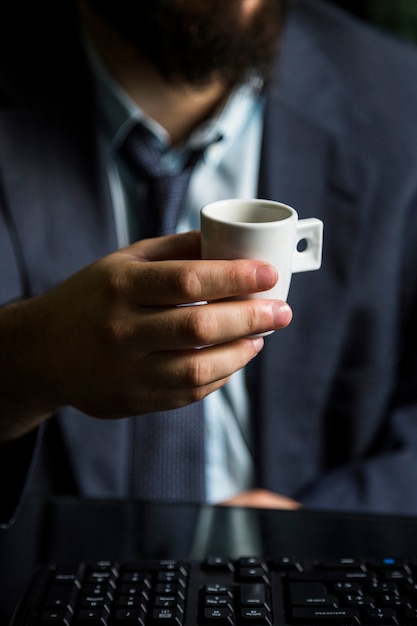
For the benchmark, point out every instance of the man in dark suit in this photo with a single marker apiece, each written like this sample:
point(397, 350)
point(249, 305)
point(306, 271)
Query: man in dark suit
point(326, 414)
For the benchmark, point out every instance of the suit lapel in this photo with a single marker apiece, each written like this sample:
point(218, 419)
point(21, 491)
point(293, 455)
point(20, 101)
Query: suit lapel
point(49, 172)
point(55, 189)
point(311, 160)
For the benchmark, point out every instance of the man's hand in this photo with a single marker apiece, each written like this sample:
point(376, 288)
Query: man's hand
point(262, 499)
point(113, 341)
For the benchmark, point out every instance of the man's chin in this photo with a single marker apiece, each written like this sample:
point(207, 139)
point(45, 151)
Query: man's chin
point(198, 43)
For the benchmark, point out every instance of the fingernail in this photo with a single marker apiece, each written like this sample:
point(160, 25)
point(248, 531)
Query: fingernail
point(258, 343)
point(266, 277)
point(282, 313)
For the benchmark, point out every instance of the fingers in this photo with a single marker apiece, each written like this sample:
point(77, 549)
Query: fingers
point(165, 283)
point(150, 293)
point(261, 498)
point(176, 328)
point(142, 354)
point(154, 289)
point(183, 246)
point(197, 369)
point(174, 379)
point(168, 271)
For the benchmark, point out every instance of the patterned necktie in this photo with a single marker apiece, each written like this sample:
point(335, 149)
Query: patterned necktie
point(168, 446)
point(166, 190)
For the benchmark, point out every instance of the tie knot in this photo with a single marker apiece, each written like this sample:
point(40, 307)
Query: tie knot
point(167, 190)
point(143, 156)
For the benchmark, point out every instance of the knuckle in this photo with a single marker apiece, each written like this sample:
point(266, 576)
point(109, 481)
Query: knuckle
point(234, 277)
point(189, 283)
point(256, 317)
point(114, 328)
point(116, 331)
point(201, 325)
point(196, 394)
point(253, 318)
point(119, 283)
point(112, 286)
point(197, 374)
point(113, 325)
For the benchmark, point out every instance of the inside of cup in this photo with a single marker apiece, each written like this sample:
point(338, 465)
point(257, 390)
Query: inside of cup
point(247, 212)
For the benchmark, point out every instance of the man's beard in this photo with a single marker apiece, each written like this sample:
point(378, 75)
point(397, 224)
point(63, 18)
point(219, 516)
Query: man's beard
point(193, 42)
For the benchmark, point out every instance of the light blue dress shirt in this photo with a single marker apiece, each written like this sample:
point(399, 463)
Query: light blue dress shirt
point(229, 169)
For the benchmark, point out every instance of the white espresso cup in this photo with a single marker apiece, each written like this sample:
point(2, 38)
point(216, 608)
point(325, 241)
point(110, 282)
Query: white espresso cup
point(264, 230)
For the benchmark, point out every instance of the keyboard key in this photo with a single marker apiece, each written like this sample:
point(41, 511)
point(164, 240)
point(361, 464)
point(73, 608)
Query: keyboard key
point(410, 616)
point(255, 616)
point(66, 574)
point(250, 561)
point(92, 617)
point(166, 616)
point(387, 563)
point(255, 572)
point(219, 600)
point(224, 592)
point(333, 576)
point(94, 602)
point(216, 588)
point(253, 594)
point(359, 600)
point(386, 617)
point(217, 564)
point(325, 616)
point(60, 596)
point(53, 617)
point(128, 617)
point(218, 615)
point(136, 601)
point(311, 594)
point(285, 564)
point(133, 589)
point(338, 564)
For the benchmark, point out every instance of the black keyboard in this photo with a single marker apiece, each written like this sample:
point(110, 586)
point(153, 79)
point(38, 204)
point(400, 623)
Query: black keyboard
point(246, 591)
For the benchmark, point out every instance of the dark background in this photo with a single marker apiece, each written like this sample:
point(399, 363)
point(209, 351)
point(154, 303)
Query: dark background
point(396, 16)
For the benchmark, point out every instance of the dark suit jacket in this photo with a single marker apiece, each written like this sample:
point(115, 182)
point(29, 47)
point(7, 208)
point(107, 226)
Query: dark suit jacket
point(334, 396)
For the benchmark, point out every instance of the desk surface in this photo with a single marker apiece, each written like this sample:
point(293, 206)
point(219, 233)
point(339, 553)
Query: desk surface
point(71, 530)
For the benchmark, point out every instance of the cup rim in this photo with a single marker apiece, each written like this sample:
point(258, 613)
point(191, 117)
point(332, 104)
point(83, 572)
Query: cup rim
point(206, 210)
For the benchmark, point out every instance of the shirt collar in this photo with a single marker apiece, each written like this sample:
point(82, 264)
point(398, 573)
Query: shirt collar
point(119, 113)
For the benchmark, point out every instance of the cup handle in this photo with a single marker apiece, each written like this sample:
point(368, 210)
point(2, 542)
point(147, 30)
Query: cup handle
point(309, 244)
